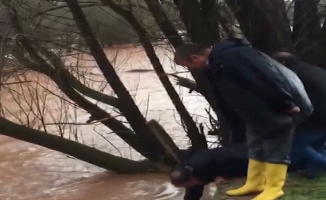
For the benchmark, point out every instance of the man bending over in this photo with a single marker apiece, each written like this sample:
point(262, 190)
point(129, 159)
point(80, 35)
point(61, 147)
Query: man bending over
point(269, 98)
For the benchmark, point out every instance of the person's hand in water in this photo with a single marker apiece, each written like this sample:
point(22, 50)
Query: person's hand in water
point(217, 182)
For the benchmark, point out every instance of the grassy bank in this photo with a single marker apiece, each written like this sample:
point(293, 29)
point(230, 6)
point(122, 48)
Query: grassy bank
point(303, 189)
point(296, 189)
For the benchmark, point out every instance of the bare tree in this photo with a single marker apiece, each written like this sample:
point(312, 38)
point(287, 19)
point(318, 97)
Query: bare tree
point(50, 40)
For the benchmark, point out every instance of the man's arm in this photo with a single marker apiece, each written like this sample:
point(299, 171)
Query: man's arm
point(194, 192)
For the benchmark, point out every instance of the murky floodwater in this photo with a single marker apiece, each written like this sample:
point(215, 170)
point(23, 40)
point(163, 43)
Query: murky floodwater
point(32, 172)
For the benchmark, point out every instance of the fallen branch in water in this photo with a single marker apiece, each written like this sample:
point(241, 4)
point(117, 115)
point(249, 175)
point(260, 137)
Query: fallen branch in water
point(80, 151)
point(90, 121)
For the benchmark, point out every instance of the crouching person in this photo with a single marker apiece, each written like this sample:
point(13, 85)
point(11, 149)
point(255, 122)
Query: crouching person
point(216, 165)
point(212, 165)
point(268, 97)
point(308, 150)
point(309, 140)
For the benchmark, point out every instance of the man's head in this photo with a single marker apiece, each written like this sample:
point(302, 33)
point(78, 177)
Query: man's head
point(193, 56)
point(286, 58)
point(181, 176)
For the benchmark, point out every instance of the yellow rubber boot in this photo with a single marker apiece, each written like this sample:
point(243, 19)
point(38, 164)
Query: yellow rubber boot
point(275, 179)
point(255, 180)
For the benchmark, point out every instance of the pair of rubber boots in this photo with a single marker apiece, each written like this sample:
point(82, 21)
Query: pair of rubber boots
point(263, 177)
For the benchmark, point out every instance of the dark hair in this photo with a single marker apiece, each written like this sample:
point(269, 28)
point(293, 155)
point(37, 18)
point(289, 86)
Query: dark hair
point(286, 58)
point(184, 51)
point(180, 174)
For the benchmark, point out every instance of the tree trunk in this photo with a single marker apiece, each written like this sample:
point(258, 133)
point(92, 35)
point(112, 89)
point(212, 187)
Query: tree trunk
point(262, 25)
point(227, 22)
point(163, 22)
point(130, 109)
point(211, 16)
point(196, 35)
point(168, 143)
point(168, 29)
point(191, 15)
point(75, 149)
point(321, 53)
point(306, 29)
point(279, 24)
point(198, 140)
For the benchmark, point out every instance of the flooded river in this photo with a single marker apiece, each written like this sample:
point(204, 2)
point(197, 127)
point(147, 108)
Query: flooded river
point(31, 172)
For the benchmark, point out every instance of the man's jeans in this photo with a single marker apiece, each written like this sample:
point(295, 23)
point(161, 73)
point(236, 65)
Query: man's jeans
point(308, 150)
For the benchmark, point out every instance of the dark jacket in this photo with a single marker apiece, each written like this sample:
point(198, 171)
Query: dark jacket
point(228, 162)
point(209, 164)
point(258, 88)
point(314, 80)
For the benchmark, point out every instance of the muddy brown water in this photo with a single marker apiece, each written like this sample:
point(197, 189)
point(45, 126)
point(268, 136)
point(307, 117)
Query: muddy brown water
point(28, 171)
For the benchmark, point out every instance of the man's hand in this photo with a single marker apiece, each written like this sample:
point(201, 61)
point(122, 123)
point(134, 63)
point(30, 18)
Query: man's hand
point(294, 110)
point(219, 180)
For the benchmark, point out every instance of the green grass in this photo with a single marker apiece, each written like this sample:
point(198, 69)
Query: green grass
point(296, 188)
point(305, 189)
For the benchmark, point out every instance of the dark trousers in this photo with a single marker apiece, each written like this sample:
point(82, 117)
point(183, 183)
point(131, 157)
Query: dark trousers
point(274, 149)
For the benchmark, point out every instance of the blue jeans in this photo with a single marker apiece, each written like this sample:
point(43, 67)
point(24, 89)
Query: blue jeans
point(308, 150)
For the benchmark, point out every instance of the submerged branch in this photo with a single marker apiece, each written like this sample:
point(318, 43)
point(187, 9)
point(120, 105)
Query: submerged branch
point(75, 149)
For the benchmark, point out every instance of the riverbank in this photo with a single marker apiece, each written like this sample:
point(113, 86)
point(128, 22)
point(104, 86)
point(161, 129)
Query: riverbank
point(297, 188)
